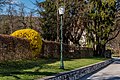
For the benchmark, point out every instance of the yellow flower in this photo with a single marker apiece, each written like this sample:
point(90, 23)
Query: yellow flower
point(32, 36)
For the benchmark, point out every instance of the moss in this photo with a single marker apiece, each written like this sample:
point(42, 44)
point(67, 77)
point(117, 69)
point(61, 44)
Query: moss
point(32, 36)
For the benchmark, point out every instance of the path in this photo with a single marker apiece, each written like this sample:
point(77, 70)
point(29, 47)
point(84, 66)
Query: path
point(111, 72)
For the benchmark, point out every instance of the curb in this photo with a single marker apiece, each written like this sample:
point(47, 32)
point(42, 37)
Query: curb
point(78, 73)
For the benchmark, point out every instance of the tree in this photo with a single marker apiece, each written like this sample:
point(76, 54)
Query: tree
point(48, 13)
point(14, 17)
point(10, 18)
point(4, 22)
point(101, 25)
point(73, 19)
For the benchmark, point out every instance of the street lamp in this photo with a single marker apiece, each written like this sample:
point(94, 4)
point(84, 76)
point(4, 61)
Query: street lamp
point(61, 12)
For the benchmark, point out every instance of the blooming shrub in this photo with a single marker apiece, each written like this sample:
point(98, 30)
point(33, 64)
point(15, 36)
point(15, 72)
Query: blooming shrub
point(32, 36)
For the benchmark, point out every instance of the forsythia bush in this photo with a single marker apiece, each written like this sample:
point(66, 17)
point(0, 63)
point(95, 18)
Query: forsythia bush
point(32, 36)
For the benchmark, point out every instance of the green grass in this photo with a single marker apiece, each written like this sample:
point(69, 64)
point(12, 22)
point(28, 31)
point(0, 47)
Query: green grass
point(32, 69)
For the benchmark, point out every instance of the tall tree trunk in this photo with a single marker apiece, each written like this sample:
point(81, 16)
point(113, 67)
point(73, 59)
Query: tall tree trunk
point(100, 50)
point(103, 50)
point(57, 21)
point(97, 49)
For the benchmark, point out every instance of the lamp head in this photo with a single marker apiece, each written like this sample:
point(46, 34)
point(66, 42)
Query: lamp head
point(61, 10)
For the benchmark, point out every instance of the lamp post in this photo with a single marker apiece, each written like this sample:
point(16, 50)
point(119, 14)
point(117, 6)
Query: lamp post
point(61, 12)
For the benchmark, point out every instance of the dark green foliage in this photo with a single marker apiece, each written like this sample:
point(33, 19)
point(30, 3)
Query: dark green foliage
point(73, 25)
point(48, 12)
point(101, 24)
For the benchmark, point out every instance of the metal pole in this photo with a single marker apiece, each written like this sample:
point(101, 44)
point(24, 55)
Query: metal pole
point(61, 47)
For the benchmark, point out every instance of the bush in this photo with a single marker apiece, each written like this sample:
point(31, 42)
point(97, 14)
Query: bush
point(32, 36)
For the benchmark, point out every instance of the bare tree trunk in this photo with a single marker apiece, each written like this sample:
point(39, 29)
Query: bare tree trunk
point(57, 22)
point(10, 18)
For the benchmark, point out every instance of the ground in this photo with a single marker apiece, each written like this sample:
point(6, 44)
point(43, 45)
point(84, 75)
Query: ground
point(33, 69)
point(111, 72)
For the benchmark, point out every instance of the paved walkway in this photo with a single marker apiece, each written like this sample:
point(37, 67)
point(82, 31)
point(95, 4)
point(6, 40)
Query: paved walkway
point(111, 72)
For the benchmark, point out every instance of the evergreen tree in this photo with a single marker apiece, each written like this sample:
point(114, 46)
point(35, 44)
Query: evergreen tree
point(48, 19)
point(101, 24)
point(73, 19)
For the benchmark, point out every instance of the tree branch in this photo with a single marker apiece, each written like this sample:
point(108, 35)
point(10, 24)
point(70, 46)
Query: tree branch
point(113, 37)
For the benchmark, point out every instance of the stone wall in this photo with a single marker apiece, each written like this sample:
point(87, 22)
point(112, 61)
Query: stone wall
point(12, 48)
point(78, 73)
point(51, 49)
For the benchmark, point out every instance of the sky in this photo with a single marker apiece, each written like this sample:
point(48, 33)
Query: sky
point(29, 5)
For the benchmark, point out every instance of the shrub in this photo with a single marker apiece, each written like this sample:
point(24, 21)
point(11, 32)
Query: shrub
point(32, 36)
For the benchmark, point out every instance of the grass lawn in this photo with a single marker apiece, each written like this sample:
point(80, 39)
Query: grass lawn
point(32, 69)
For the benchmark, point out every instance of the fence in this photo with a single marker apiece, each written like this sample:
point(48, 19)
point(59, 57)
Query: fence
point(12, 48)
point(51, 49)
